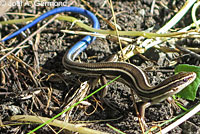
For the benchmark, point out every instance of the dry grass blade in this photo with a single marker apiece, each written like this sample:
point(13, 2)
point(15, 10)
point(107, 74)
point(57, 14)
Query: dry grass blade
point(19, 45)
point(76, 128)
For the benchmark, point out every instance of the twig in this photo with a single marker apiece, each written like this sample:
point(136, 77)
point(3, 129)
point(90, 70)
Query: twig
point(19, 45)
point(58, 123)
point(181, 120)
point(93, 10)
point(117, 32)
point(185, 50)
point(152, 6)
point(149, 42)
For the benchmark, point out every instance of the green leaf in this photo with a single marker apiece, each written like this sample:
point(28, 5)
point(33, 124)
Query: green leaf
point(190, 91)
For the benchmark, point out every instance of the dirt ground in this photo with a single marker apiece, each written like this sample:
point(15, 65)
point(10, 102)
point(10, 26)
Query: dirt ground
point(49, 89)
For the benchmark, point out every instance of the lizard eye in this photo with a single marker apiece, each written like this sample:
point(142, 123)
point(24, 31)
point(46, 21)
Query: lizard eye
point(185, 80)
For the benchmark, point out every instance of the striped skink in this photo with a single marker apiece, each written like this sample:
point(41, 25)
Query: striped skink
point(130, 74)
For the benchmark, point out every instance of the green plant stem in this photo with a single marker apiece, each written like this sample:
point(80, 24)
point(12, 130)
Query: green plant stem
point(52, 119)
point(110, 32)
